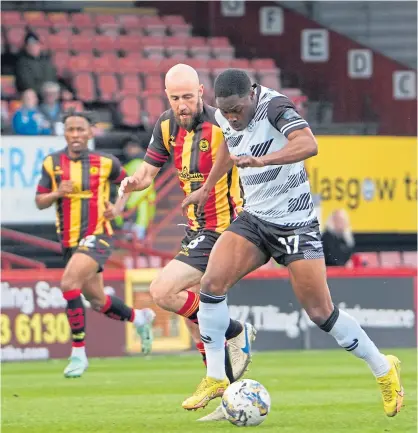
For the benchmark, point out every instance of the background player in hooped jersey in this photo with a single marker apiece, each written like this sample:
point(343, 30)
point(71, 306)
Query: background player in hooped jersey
point(77, 181)
point(268, 140)
point(191, 134)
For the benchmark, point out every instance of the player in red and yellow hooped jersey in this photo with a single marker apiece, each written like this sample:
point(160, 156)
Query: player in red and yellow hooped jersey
point(77, 181)
point(190, 133)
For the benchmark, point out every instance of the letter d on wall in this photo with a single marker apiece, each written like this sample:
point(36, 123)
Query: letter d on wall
point(360, 63)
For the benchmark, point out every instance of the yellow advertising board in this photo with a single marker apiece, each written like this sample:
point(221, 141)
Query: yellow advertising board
point(170, 330)
point(373, 178)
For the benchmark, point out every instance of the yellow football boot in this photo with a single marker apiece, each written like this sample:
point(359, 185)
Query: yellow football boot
point(391, 388)
point(207, 390)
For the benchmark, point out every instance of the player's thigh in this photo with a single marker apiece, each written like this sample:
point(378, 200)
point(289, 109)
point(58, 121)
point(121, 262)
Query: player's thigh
point(232, 257)
point(93, 290)
point(175, 277)
point(309, 282)
point(79, 269)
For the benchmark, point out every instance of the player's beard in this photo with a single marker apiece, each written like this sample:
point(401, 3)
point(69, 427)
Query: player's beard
point(188, 123)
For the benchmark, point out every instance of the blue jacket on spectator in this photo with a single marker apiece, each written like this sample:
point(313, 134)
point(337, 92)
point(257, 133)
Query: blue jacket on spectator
point(29, 122)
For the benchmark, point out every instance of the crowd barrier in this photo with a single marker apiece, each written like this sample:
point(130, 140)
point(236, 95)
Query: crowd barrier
point(34, 324)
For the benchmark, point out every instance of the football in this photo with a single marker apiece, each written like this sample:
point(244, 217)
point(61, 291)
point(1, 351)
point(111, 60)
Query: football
point(246, 403)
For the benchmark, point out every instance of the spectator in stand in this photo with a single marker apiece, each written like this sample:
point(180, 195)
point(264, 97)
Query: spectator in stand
point(337, 239)
point(51, 107)
point(34, 67)
point(28, 120)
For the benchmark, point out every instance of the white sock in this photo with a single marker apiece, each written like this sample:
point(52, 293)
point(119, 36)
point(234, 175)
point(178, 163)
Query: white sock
point(350, 336)
point(214, 320)
point(142, 317)
point(79, 352)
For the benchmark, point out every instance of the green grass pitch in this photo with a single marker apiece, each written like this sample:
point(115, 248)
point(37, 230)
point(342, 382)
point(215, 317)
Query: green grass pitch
point(311, 391)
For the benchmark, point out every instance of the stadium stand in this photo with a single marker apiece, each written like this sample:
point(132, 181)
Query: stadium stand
point(92, 50)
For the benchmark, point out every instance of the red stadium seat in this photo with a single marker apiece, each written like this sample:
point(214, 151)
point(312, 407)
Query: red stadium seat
point(153, 25)
point(201, 64)
point(81, 42)
point(106, 22)
point(81, 63)
point(12, 18)
point(199, 48)
point(176, 25)
point(221, 48)
point(271, 81)
point(8, 88)
point(409, 258)
point(153, 46)
point(84, 86)
point(58, 42)
point(36, 19)
point(264, 65)
point(218, 65)
point(153, 82)
point(59, 20)
point(105, 43)
point(175, 46)
point(130, 22)
point(82, 20)
point(61, 61)
point(154, 106)
point(129, 43)
point(129, 65)
point(130, 110)
point(390, 259)
point(75, 105)
point(15, 37)
point(130, 84)
point(107, 62)
point(108, 87)
point(149, 65)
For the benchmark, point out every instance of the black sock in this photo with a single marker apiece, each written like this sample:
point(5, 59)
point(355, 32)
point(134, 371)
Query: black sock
point(116, 309)
point(235, 328)
point(76, 315)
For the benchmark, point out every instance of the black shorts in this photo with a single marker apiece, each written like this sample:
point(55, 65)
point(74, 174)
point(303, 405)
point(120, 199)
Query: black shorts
point(285, 245)
point(196, 248)
point(98, 247)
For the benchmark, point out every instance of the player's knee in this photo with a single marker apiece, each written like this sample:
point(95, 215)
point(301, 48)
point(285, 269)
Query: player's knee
point(158, 293)
point(68, 282)
point(319, 314)
point(212, 286)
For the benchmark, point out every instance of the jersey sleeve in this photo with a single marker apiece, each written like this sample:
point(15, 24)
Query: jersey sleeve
point(45, 182)
point(282, 114)
point(117, 173)
point(157, 153)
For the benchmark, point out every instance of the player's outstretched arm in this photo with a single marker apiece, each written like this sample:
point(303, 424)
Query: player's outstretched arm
point(223, 163)
point(141, 180)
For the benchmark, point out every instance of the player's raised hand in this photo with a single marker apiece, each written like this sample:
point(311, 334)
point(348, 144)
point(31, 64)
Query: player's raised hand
point(65, 187)
point(128, 184)
point(199, 197)
point(247, 161)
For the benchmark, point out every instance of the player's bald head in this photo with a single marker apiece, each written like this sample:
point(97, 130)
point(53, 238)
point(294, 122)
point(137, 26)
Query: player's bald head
point(181, 75)
point(184, 92)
